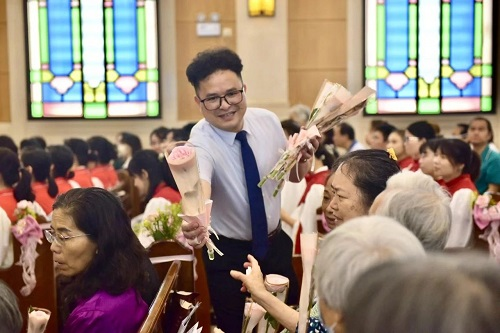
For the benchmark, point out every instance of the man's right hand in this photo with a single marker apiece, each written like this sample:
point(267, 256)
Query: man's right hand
point(195, 235)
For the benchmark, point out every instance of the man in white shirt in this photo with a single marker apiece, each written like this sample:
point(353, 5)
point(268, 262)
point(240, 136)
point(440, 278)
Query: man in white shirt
point(221, 96)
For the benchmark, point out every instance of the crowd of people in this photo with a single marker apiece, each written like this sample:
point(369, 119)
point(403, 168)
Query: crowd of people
point(387, 220)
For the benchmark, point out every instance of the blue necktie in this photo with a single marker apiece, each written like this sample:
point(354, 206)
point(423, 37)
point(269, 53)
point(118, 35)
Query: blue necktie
point(260, 242)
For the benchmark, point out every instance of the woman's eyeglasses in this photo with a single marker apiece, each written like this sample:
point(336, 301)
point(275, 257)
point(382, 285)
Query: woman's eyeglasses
point(411, 138)
point(59, 239)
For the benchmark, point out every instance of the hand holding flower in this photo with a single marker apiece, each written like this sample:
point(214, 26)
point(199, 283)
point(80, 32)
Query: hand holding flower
point(194, 233)
point(253, 282)
point(307, 152)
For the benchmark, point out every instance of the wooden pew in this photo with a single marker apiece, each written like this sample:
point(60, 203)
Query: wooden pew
point(44, 294)
point(159, 253)
point(152, 323)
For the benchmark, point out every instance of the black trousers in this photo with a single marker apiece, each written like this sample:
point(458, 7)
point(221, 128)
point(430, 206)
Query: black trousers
point(227, 299)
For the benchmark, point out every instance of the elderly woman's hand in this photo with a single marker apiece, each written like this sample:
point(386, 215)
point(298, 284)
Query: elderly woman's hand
point(194, 234)
point(253, 282)
point(308, 151)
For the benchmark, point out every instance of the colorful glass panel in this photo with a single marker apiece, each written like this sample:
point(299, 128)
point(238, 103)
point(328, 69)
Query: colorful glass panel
point(429, 56)
point(93, 59)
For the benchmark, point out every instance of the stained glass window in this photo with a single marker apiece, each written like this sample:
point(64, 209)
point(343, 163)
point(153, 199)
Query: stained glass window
point(93, 59)
point(429, 56)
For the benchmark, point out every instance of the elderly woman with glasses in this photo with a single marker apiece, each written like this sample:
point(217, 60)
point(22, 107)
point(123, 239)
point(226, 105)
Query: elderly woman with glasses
point(94, 248)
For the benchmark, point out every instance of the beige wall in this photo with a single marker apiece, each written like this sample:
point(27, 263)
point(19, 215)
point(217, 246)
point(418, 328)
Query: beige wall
point(262, 44)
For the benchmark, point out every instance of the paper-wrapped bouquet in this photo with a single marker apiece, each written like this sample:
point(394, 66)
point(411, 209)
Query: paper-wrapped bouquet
point(333, 105)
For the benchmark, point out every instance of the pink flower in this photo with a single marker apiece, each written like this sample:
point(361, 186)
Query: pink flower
point(483, 201)
point(27, 228)
point(181, 152)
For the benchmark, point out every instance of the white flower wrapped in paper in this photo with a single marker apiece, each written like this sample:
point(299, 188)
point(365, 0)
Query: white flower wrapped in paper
point(38, 319)
point(253, 313)
point(278, 286)
point(184, 166)
point(333, 105)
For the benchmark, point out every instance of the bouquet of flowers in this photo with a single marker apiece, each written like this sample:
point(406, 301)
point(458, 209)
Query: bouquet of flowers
point(165, 224)
point(28, 232)
point(487, 218)
point(333, 105)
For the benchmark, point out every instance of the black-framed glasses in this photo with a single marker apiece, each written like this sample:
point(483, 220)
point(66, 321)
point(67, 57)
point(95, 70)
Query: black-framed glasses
point(214, 102)
point(51, 236)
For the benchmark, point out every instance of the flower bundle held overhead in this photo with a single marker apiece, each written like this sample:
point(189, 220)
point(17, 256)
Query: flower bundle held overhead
point(184, 166)
point(165, 224)
point(487, 218)
point(28, 232)
point(333, 105)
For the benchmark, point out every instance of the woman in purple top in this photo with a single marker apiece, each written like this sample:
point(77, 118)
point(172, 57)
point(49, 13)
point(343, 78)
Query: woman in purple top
point(105, 278)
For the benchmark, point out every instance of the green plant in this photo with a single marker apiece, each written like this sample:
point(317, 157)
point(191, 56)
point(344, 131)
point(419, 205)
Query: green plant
point(165, 224)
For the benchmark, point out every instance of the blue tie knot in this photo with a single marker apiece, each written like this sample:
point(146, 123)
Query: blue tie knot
point(241, 136)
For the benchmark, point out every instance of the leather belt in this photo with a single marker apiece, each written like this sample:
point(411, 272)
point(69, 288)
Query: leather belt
point(274, 233)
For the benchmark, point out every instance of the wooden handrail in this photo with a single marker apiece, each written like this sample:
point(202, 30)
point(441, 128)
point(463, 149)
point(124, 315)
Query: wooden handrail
point(157, 308)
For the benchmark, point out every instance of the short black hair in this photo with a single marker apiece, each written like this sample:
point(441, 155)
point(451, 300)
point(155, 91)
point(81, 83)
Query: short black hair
point(290, 126)
point(432, 144)
point(346, 129)
point(385, 129)
point(103, 150)
point(131, 140)
point(161, 132)
point(210, 61)
point(422, 130)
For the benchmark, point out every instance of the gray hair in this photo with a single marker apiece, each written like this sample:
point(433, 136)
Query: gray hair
point(416, 180)
point(355, 246)
point(10, 316)
point(425, 213)
point(447, 294)
point(302, 111)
